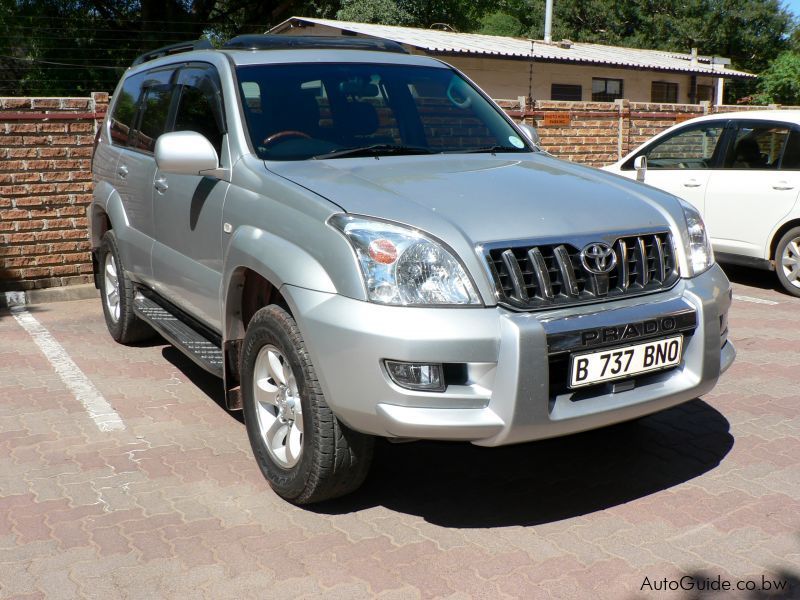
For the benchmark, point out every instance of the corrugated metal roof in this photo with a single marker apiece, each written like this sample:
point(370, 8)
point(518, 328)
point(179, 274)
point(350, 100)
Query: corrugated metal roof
point(445, 42)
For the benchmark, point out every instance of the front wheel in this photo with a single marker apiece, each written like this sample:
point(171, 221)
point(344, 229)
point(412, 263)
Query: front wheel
point(787, 261)
point(303, 450)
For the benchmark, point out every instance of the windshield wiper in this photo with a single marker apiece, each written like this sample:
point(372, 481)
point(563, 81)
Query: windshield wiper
point(375, 150)
point(492, 149)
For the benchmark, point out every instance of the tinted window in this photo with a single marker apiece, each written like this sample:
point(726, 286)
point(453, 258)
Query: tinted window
point(155, 105)
point(124, 111)
point(295, 112)
point(757, 147)
point(200, 105)
point(691, 148)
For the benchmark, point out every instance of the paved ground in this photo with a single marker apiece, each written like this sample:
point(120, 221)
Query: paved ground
point(173, 504)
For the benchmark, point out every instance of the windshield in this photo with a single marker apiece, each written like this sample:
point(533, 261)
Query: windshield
point(337, 110)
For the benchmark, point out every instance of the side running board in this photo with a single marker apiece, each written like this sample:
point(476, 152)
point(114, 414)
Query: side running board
point(192, 343)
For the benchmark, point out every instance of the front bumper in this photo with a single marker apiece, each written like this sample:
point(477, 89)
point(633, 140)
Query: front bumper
point(509, 356)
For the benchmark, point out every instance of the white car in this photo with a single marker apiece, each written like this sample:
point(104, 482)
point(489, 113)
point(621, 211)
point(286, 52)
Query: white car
point(742, 172)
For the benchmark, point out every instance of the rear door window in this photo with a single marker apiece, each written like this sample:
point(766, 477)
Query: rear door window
point(759, 146)
point(157, 93)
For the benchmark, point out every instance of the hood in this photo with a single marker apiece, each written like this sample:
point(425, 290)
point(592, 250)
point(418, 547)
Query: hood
point(485, 198)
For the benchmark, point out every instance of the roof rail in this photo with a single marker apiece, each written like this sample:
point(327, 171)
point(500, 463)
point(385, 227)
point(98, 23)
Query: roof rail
point(314, 42)
point(172, 49)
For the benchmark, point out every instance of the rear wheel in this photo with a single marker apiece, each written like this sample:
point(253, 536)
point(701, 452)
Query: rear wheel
point(303, 450)
point(787, 261)
point(117, 291)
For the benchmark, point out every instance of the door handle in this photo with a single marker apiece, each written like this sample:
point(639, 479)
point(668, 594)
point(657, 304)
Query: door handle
point(122, 171)
point(161, 185)
point(782, 186)
point(692, 183)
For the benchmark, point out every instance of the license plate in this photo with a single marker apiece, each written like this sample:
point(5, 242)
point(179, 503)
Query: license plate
point(617, 363)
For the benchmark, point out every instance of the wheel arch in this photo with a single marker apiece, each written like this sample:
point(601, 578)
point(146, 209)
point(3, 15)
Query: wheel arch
point(779, 233)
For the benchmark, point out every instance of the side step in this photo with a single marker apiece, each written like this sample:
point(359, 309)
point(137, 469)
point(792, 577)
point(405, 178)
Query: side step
point(197, 347)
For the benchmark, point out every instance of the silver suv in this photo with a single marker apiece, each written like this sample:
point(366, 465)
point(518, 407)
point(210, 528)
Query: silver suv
point(360, 243)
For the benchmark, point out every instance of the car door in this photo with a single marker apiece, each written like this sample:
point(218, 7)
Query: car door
point(755, 190)
point(148, 96)
point(187, 255)
point(682, 162)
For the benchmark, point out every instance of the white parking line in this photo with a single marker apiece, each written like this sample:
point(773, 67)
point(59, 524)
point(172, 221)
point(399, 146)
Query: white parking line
point(754, 300)
point(100, 411)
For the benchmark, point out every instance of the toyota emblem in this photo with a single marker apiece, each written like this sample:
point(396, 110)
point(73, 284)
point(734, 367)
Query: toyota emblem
point(598, 258)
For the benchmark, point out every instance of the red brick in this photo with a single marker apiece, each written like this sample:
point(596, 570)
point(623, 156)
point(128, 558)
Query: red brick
point(45, 103)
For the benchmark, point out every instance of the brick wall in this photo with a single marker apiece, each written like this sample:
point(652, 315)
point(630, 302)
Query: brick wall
point(598, 133)
point(45, 171)
point(45, 186)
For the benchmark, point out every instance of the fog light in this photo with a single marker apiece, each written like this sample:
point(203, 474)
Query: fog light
point(416, 376)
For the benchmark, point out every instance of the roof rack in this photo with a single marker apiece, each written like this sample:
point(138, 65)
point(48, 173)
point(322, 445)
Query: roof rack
point(314, 42)
point(172, 49)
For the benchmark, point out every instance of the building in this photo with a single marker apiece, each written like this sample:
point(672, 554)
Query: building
point(513, 67)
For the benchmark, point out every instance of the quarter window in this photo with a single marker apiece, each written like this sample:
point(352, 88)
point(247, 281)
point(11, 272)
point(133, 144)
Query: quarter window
point(124, 112)
point(606, 90)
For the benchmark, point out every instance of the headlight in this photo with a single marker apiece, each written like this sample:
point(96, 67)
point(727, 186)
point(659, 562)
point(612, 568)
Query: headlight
point(405, 266)
point(698, 251)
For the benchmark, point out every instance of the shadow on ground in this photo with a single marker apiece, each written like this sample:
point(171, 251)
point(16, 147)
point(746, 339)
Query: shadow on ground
point(757, 278)
point(460, 485)
point(209, 384)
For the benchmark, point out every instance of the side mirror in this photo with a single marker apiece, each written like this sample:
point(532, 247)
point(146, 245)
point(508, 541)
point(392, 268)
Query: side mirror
point(186, 153)
point(530, 133)
point(640, 164)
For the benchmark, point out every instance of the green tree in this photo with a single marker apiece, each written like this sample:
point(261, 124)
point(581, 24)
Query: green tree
point(386, 12)
point(499, 23)
point(780, 83)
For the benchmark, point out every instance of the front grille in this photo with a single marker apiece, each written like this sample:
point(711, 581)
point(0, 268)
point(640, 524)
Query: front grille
point(551, 275)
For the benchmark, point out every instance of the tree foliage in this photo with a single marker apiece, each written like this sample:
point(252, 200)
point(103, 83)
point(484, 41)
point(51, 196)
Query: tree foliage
point(780, 83)
point(97, 39)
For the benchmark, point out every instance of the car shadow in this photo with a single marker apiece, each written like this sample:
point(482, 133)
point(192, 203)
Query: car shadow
point(757, 278)
point(461, 485)
point(207, 383)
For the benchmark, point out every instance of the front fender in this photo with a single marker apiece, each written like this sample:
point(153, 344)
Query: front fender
point(277, 260)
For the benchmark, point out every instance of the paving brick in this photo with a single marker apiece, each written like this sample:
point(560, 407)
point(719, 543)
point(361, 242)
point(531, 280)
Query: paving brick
point(175, 505)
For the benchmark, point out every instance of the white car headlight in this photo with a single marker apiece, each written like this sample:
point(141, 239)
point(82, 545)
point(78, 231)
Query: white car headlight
point(699, 253)
point(404, 266)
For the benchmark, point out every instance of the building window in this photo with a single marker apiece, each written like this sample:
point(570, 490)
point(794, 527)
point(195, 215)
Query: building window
point(606, 90)
point(563, 91)
point(663, 91)
point(705, 93)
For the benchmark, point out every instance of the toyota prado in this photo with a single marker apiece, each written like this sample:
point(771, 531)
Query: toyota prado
point(360, 243)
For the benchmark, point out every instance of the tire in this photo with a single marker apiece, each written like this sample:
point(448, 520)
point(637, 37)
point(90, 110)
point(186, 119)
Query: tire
point(116, 291)
point(787, 261)
point(304, 452)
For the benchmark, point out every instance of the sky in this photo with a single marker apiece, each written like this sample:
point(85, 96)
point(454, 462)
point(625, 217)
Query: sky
point(793, 6)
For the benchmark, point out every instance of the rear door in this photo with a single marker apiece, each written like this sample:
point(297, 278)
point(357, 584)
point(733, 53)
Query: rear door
point(151, 92)
point(756, 189)
point(187, 255)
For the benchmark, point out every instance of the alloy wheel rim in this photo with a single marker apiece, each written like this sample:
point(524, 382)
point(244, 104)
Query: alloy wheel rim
point(279, 411)
point(111, 287)
point(790, 262)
